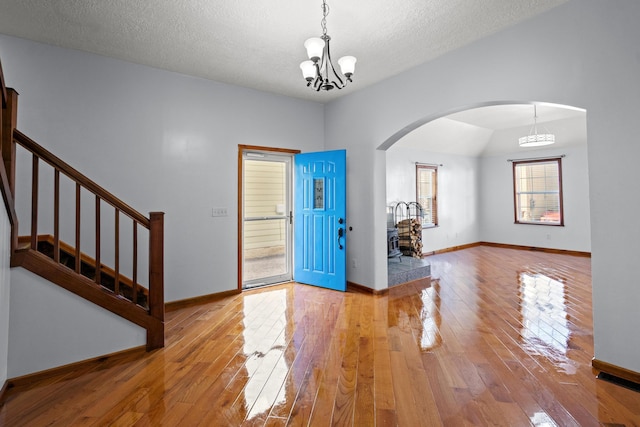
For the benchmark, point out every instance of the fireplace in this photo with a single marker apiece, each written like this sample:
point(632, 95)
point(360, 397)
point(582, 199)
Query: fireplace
point(393, 243)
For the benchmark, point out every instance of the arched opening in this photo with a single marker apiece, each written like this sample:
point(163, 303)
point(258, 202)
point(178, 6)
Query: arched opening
point(472, 148)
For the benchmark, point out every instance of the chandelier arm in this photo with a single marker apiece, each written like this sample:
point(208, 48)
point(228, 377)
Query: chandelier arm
point(330, 64)
point(317, 84)
point(322, 66)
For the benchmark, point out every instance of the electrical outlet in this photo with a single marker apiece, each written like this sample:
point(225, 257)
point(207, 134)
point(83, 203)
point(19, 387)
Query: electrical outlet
point(219, 212)
point(354, 263)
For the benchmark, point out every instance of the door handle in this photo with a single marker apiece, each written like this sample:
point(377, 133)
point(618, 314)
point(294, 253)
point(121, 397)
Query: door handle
point(340, 234)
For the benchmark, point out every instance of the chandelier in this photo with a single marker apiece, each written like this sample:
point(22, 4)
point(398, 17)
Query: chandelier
point(535, 139)
point(319, 70)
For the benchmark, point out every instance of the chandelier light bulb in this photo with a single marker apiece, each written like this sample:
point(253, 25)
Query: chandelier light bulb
point(347, 65)
point(308, 70)
point(315, 47)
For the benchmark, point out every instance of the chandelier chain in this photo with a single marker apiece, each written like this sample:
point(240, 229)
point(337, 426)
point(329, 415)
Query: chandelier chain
point(325, 12)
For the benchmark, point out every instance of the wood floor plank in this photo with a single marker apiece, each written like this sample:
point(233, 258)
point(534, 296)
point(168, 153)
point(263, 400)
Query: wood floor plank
point(307, 373)
point(344, 406)
point(384, 401)
point(497, 336)
point(364, 410)
point(324, 401)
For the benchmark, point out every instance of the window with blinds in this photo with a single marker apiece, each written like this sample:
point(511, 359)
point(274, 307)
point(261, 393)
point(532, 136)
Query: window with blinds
point(427, 193)
point(537, 186)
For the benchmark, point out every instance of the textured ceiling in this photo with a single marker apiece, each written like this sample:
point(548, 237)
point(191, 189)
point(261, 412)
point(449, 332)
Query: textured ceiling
point(258, 44)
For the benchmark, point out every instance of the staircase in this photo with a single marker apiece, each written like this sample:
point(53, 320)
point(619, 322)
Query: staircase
point(107, 270)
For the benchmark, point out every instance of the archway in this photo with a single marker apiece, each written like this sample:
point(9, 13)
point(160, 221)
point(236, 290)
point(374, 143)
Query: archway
point(475, 183)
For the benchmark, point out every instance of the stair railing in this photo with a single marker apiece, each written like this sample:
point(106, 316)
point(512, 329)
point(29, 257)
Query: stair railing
point(154, 225)
point(149, 314)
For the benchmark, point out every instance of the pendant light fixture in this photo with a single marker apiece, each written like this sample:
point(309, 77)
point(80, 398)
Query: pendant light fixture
point(535, 139)
point(319, 71)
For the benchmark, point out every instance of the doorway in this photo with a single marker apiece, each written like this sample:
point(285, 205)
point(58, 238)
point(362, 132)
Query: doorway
point(265, 209)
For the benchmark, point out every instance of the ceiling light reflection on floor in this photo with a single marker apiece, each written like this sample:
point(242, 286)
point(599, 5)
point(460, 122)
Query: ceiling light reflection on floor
point(265, 342)
point(430, 318)
point(544, 314)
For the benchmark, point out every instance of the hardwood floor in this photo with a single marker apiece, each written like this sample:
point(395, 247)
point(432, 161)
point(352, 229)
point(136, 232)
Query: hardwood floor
point(499, 337)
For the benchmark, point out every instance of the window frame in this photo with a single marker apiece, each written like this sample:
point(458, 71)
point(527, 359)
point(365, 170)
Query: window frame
point(524, 162)
point(434, 198)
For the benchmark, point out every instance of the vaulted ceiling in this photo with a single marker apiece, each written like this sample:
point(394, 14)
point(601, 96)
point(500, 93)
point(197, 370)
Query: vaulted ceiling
point(258, 44)
point(494, 130)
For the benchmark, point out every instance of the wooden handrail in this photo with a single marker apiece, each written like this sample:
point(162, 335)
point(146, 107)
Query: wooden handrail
point(78, 177)
point(8, 197)
point(7, 122)
point(3, 88)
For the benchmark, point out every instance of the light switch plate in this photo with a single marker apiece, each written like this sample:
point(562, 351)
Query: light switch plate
point(219, 212)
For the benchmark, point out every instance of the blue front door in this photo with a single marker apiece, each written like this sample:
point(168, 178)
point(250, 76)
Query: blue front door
point(320, 220)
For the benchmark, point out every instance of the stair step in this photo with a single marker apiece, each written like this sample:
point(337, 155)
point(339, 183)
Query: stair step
point(107, 280)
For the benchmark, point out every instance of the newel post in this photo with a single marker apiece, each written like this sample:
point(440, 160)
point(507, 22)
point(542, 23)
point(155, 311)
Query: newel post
point(156, 274)
point(156, 265)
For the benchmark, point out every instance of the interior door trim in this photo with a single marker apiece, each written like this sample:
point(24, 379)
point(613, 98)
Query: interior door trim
point(241, 151)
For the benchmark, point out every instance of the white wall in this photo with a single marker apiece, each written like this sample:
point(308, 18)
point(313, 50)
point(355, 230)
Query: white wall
point(458, 194)
point(159, 141)
point(50, 326)
point(590, 54)
point(496, 212)
point(5, 277)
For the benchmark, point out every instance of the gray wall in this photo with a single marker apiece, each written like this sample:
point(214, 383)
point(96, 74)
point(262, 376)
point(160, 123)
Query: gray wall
point(50, 326)
point(159, 141)
point(590, 54)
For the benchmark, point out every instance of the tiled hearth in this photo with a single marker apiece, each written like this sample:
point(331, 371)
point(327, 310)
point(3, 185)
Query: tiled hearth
point(406, 269)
